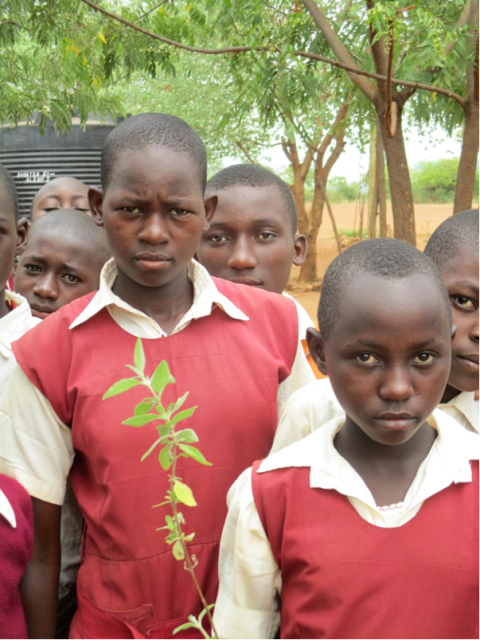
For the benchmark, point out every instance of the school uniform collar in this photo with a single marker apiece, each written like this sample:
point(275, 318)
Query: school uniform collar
point(205, 297)
point(6, 510)
point(17, 322)
point(448, 461)
point(466, 404)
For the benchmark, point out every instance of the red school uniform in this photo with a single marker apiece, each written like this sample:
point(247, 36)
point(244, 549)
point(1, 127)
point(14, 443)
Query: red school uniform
point(232, 369)
point(343, 577)
point(16, 546)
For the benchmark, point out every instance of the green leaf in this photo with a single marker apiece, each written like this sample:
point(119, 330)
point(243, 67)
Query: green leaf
point(189, 538)
point(165, 457)
point(195, 454)
point(147, 453)
point(120, 387)
point(184, 494)
point(162, 377)
point(182, 627)
point(201, 616)
point(179, 403)
point(187, 435)
point(177, 551)
point(182, 415)
point(141, 421)
point(142, 408)
point(139, 356)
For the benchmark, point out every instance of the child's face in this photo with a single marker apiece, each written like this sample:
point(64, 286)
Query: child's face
point(153, 213)
point(461, 279)
point(388, 355)
point(12, 236)
point(250, 239)
point(61, 193)
point(53, 270)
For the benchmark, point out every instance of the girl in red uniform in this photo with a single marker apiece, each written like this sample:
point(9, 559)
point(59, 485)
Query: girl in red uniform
point(367, 528)
point(235, 349)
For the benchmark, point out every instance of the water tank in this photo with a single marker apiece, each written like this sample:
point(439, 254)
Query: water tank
point(35, 159)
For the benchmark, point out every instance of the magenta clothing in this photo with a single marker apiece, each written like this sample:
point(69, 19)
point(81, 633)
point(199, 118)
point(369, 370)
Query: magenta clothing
point(16, 547)
point(343, 577)
point(232, 370)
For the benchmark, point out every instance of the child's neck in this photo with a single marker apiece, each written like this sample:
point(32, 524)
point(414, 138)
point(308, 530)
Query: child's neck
point(166, 305)
point(3, 305)
point(387, 470)
point(449, 394)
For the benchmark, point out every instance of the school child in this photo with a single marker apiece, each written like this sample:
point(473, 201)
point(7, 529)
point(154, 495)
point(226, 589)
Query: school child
point(15, 315)
point(62, 261)
point(60, 193)
point(252, 238)
point(368, 527)
point(454, 248)
point(235, 349)
point(16, 521)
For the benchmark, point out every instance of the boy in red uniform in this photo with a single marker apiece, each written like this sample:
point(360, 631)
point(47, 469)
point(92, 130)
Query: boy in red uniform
point(62, 261)
point(16, 521)
point(368, 527)
point(60, 193)
point(235, 349)
point(252, 238)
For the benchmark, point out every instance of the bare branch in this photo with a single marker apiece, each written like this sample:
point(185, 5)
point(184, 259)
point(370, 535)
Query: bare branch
point(353, 70)
point(246, 153)
point(147, 13)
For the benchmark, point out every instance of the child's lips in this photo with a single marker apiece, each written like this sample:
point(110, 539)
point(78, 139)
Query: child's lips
point(40, 312)
point(153, 261)
point(470, 362)
point(250, 282)
point(395, 421)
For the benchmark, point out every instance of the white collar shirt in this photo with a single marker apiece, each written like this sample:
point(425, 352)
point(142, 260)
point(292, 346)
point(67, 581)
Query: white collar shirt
point(464, 408)
point(12, 327)
point(250, 579)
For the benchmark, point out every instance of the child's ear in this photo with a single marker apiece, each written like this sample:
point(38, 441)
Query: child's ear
point(210, 204)
point(22, 233)
point(316, 347)
point(300, 245)
point(95, 200)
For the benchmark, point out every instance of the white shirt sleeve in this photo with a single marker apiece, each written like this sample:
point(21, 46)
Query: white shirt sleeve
point(37, 447)
point(306, 410)
point(250, 579)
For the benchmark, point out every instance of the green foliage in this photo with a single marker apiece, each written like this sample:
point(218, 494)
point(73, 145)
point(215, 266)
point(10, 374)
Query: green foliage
point(339, 190)
point(435, 181)
point(172, 445)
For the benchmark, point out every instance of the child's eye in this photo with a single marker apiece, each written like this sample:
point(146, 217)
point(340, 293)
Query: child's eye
point(179, 213)
point(465, 302)
point(217, 239)
point(33, 268)
point(132, 210)
point(70, 279)
point(367, 358)
point(423, 358)
point(266, 235)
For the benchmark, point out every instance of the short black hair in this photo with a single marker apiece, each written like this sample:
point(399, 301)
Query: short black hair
point(153, 129)
point(382, 257)
point(452, 237)
point(76, 224)
point(8, 190)
point(251, 175)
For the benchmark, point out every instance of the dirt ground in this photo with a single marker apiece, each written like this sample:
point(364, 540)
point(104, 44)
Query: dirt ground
point(427, 219)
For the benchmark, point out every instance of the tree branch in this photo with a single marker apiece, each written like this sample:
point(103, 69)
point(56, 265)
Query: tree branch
point(339, 49)
point(147, 13)
point(358, 75)
point(246, 153)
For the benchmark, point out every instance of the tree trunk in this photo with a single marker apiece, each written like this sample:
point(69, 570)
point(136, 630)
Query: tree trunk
point(298, 193)
point(399, 177)
point(467, 167)
point(381, 188)
point(308, 270)
point(372, 184)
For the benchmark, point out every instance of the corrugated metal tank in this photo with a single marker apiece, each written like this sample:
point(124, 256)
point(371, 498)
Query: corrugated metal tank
point(35, 159)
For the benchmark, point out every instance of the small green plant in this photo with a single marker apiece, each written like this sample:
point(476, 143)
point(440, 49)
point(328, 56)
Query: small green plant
point(351, 233)
point(172, 445)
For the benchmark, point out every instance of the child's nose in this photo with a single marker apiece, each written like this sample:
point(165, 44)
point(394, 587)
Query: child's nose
point(154, 230)
point(474, 333)
point(243, 257)
point(396, 385)
point(47, 287)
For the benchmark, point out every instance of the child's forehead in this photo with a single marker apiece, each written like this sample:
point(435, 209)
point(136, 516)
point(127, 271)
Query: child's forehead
point(253, 202)
point(59, 246)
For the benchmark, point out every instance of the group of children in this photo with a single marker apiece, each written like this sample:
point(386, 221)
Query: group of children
point(353, 515)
